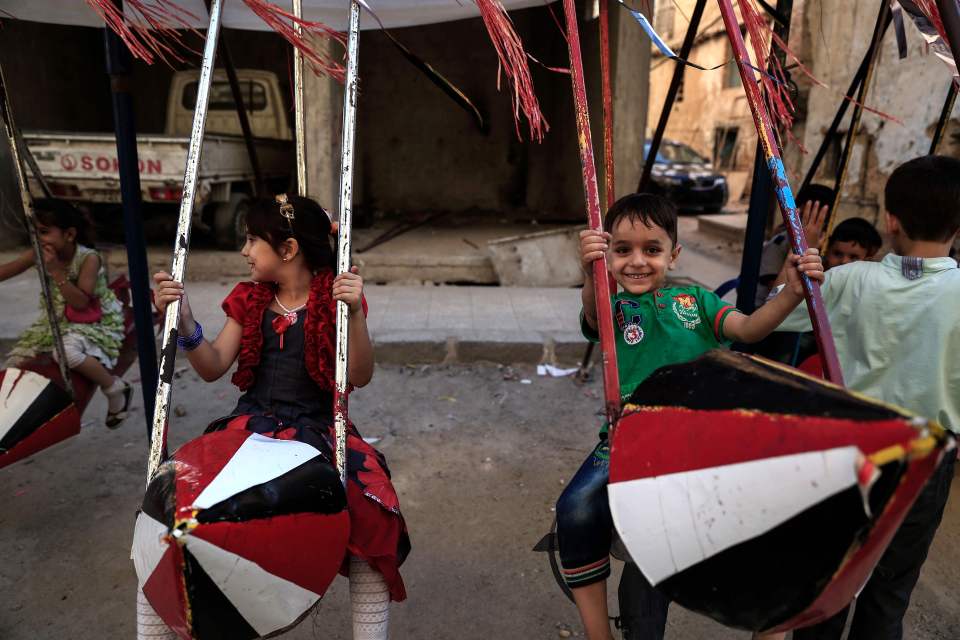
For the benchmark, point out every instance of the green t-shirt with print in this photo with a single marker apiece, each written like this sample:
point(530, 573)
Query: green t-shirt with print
point(660, 328)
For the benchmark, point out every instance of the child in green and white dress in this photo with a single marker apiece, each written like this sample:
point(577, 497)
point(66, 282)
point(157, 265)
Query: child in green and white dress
point(78, 281)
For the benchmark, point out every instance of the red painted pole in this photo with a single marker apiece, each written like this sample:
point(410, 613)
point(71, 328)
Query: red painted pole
point(609, 194)
point(611, 379)
point(788, 207)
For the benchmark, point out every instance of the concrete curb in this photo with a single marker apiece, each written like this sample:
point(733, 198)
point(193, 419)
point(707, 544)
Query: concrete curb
point(523, 349)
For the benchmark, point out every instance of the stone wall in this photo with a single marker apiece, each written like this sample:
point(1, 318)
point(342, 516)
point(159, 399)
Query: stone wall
point(912, 90)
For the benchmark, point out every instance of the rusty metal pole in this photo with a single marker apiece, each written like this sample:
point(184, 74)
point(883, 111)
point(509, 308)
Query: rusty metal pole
point(345, 219)
point(601, 282)
point(761, 204)
point(609, 193)
point(299, 116)
point(878, 32)
point(181, 248)
point(948, 105)
point(781, 184)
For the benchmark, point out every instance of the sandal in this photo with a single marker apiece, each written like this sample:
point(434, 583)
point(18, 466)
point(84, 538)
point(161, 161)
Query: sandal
point(116, 418)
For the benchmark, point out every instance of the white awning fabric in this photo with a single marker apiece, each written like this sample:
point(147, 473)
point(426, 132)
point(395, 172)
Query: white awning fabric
point(236, 15)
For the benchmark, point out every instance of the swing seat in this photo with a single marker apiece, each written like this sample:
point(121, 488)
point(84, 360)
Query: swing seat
point(759, 496)
point(240, 535)
point(36, 411)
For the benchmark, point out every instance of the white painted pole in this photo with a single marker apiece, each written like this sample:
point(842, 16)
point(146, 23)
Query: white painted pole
point(181, 248)
point(345, 219)
point(299, 117)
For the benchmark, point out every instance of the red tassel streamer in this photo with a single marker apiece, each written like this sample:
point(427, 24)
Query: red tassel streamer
point(513, 61)
point(774, 80)
point(932, 13)
point(282, 22)
point(149, 28)
point(153, 29)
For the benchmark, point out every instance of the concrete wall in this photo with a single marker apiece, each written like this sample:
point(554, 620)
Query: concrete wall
point(912, 90)
point(416, 149)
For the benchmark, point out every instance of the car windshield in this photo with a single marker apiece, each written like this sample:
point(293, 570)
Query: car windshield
point(676, 153)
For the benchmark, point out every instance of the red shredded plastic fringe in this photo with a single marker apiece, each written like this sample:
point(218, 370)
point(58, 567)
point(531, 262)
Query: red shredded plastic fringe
point(306, 41)
point(773, 79)
point(932, 13)
point(149, 28)
point(513, 62)
point(153, 29)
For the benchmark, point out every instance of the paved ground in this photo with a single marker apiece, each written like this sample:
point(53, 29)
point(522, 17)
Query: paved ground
point(478, 457)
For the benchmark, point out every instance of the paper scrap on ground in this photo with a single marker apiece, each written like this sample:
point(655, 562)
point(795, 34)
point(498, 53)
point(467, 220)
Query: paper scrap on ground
point(554, 372)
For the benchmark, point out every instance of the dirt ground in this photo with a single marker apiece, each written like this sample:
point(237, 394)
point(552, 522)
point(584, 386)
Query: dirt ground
point(478, 458)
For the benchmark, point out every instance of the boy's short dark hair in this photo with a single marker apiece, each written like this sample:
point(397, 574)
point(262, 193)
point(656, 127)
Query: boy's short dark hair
point(924, 195)
point(859, 231)
point(651, 210)
point(816, 193)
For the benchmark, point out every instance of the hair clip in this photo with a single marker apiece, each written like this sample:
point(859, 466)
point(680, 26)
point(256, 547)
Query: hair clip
point(286, 209)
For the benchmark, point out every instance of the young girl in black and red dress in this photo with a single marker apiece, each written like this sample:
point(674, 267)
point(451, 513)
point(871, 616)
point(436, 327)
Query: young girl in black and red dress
point(280, 330)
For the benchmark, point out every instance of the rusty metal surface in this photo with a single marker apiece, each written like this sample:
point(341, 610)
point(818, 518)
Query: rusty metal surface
point(788, 207)
point(181, 249)
point(345, 218)
point(611, 378)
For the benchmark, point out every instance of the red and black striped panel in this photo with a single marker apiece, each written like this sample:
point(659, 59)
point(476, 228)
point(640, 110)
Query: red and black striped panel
point(274, 509)
point(726, 411)
point(727, 380)
point(35, 413)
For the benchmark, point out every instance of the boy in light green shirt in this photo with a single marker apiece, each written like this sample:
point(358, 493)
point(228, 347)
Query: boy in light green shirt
point(896, 324)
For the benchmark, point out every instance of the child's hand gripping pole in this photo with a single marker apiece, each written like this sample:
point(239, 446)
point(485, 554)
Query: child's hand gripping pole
point(171, 320)
point(611, 379)
point(788, 207)
point(344, 225)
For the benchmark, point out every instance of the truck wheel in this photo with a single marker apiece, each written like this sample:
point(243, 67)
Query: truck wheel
point(230, 221)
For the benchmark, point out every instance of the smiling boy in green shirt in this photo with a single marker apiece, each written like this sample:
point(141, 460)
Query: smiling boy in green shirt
point(656, 326)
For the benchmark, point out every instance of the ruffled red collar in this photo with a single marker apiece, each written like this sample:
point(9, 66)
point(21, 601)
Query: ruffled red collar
point(319, 332)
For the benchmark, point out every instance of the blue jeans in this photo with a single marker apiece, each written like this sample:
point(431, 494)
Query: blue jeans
point(584, 523)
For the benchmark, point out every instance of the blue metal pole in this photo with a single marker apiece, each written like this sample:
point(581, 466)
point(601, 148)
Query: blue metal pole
point(118, 68)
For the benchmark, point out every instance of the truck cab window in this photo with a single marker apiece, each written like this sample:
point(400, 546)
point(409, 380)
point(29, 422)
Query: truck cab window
point(221, 98)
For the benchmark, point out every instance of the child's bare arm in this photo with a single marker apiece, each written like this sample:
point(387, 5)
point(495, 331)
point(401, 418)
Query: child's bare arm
point(813, 216)
point(763, 321)
point(210, 359)
point(16, 266)
point(348, 288)
point(593, 246)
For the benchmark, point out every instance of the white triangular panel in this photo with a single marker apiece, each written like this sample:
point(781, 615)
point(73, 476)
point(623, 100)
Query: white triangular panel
point(148, 546)
point(266, 601)
point(670, 523)
point(18, 391)
point(259, 459)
